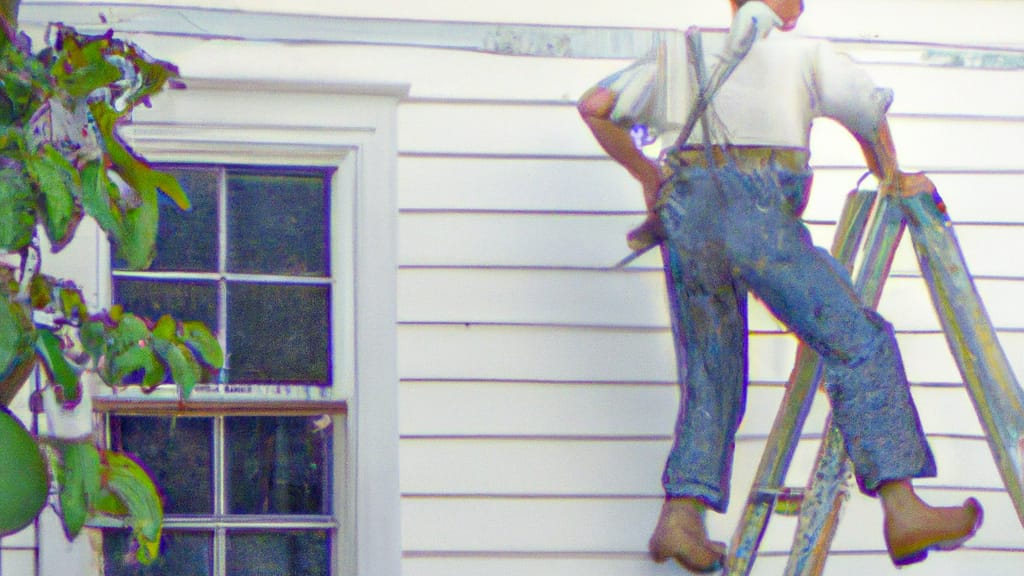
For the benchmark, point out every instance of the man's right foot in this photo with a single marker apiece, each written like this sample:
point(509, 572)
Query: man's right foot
point(681, 535)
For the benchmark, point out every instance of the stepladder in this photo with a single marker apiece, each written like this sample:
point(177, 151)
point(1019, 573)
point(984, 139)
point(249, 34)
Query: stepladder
point(868, 233)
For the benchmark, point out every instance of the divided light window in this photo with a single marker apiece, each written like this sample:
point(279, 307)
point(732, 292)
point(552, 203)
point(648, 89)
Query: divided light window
point(251, 261)
point(247, 486)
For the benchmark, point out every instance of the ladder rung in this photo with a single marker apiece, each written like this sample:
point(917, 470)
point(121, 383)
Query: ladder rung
point(787, 500)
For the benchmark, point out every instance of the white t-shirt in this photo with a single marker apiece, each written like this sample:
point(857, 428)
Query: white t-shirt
point(772, 97)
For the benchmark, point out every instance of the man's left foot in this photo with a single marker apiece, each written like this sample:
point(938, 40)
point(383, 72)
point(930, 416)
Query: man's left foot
point(910, 539)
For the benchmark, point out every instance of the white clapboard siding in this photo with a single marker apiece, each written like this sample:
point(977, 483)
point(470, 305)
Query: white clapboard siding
point(582, 354)
point(635, 298)
point(538, 387)
point(474, 409)
point(620, 467)
point(574, 240)
point(543, 525)
point(556, 130)
point(966, 562)
point(461, 183)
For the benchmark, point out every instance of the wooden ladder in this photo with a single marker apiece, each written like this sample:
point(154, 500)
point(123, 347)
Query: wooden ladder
point(993, 388)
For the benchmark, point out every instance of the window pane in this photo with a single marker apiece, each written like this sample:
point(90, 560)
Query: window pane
point(176, 452)
point(180, 553)
point(278, 465)
point(277, 224)
point(187, 240)
point(278, 333)
point(278, 553)
point(182, 300)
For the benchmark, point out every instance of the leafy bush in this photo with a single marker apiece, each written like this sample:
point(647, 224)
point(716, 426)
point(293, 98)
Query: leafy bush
point(61, 159)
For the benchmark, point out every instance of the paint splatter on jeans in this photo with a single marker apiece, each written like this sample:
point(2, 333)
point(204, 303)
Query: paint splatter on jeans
point(730, 232)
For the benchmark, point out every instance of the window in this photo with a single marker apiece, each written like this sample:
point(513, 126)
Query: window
point(251, 261)
point(243, 494)
point(248, 469)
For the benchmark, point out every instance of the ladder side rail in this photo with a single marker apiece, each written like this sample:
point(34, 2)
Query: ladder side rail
point(997, 397)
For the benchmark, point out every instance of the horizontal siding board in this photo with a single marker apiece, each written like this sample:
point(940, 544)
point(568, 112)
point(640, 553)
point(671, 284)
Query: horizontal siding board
point(466, 183)
point(635, 299)
point(482, 352)
point(615, 411)
point(620, 411)
point(598, 241)
point(926, 90)
point(564, 354)
point(930, 143)
point(566, 467)
point(556, 130)
point(533, 297)
point(617, 525)
point(570, 525)
point(961, 563)
point(515, 184)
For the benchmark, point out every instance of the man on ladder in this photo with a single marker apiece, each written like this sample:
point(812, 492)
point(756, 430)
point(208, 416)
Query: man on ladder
point(725, 203)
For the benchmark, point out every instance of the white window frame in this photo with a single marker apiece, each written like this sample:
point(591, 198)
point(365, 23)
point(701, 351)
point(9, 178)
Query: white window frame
point(268, 124)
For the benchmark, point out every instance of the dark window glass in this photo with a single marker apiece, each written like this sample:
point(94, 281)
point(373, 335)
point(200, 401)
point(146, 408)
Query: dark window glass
point(188, 239)
point(184, 300)
point(277, 224)
point(181, 553)
point(278, 333)
point(278, 465)
point(176, 451)
point(264, 553)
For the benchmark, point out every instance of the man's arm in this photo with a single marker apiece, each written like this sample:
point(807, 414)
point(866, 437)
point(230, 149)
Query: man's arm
point(880, 155)
point(596, 107)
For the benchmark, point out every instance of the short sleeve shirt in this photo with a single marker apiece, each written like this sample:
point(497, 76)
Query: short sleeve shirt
point(771, 99)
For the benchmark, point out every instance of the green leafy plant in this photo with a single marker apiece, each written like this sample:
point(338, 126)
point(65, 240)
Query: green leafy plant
point(61, 159)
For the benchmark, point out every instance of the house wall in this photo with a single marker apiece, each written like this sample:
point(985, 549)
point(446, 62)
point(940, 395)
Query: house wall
point(537, 388)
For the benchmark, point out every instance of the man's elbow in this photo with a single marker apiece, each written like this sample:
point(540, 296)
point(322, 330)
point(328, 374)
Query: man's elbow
point(596, 103)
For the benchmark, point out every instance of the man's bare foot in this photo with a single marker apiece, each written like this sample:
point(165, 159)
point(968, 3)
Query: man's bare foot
point(681, 535)
point(913, 528)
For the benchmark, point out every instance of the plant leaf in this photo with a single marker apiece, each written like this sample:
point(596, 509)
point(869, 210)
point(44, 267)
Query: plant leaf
point(79, 479)
point(184, 368)
point(107, 503)
point(83, 67)
point(17, 357)
point(24, 481)
point(17, 211)
point(97, 193)
point(93, 335)
point(133, 359)
point(199, 339)
point(166, 328)
point(59, 184)
point(48, 347)
point(133, 169)
point(137, 491)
